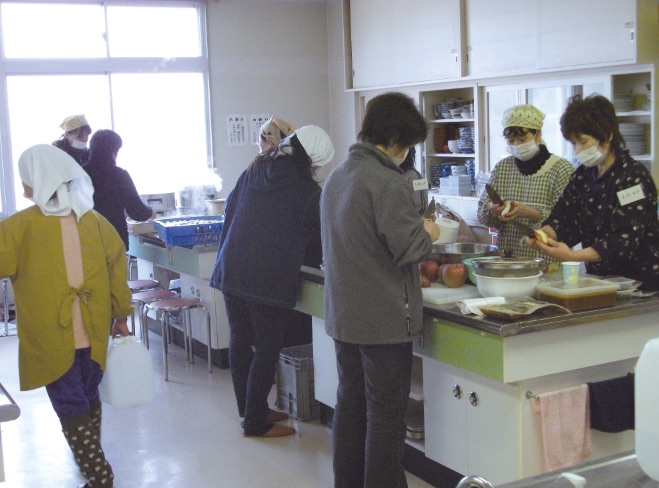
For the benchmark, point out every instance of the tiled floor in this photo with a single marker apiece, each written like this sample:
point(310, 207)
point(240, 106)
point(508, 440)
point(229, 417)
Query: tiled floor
point(190, 436)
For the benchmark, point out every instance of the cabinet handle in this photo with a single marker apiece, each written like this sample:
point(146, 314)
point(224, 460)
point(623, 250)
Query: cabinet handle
point(473, 398)
point(457, 391)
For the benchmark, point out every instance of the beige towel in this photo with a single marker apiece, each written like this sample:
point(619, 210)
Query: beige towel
point(565, 424)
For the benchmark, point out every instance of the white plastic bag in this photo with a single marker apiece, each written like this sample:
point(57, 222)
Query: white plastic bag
point(128, 378)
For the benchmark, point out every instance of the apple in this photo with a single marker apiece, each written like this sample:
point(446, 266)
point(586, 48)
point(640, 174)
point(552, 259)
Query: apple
point(425, 282)
point(429, 269)
point(440, 276)
point(454, 275)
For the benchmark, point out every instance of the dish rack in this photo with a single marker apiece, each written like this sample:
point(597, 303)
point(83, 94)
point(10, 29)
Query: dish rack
point(189, 231)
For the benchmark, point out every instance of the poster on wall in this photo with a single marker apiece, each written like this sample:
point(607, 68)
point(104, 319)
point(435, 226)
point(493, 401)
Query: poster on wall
point(255, 123)
point(237, 129)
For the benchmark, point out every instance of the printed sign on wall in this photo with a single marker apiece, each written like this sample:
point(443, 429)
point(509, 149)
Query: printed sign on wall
point(237, 129)
point(255, 123)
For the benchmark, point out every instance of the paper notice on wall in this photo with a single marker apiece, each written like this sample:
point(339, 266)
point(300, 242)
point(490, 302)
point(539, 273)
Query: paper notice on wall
point(237, 129)
point(255, 123)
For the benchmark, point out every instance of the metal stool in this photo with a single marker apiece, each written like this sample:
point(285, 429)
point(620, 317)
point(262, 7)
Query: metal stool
point(144, 297)
point(137, 286)
point(182, 306)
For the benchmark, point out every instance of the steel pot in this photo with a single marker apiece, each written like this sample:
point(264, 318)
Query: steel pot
point(456, 252)
point(508, 267)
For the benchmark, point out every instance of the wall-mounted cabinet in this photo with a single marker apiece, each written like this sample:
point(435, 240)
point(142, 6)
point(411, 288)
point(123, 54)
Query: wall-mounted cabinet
point(580, 32)
point(404, 41)
point(492, 49)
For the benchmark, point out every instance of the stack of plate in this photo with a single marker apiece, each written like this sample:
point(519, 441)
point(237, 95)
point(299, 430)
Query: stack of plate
point(466, 140)
point(435, 174)
point(470, 166)
point(623, 102)
point(455, 185)
point(634, 135)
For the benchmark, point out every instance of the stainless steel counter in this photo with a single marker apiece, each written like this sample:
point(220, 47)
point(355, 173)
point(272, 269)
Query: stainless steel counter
point(618, 471)
point(535, 323)
point(8, 408)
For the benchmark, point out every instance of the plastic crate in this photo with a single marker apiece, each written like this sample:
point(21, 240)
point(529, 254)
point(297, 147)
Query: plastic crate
point(189, 231)
point(295, 383)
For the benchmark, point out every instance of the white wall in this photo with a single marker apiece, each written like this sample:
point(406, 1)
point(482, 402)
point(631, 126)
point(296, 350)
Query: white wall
point(265, 58)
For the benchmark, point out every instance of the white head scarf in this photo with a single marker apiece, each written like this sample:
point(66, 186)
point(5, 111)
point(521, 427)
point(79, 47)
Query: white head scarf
point(59, 184)
point(316, 143)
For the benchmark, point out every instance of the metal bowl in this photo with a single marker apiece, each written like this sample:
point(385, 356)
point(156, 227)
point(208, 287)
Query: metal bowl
point(507, 267)
point(458, 251)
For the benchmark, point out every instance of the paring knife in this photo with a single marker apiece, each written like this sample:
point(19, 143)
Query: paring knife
point(494, 196)
point(528, 231)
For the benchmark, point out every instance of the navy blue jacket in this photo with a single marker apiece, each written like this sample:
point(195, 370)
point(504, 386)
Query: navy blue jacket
point(271, 228)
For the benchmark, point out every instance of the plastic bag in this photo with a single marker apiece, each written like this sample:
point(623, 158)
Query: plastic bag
point(128, 378)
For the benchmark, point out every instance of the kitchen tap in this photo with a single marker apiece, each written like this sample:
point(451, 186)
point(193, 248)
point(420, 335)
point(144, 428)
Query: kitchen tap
point(474, 482)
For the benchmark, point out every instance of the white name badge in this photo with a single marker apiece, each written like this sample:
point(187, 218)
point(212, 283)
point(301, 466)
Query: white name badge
point(631, 195)
point(421, 184)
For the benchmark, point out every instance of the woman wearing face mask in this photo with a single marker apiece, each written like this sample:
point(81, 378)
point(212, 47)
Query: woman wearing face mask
point(531, 179)
point(74, 140)
point(610, 204)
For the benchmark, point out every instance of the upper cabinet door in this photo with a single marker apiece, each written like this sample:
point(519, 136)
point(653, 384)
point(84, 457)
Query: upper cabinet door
point(404, 41)
point(584, 32)
point(501, 36)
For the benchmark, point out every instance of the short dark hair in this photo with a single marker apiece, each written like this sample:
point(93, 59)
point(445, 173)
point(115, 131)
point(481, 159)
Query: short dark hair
point(103, 145)
point(393, 119)
point(593, 116)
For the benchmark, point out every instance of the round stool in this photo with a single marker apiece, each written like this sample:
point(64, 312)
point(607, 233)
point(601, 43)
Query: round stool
point(144, 297)
point(139, 286)
point(182, 306)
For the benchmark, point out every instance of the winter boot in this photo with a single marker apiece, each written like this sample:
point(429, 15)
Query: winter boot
point(85, 443)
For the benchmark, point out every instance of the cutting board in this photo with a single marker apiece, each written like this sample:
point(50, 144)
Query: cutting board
point(439, 294)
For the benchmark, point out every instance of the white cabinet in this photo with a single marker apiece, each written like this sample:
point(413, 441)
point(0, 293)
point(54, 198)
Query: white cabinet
point(213, 300)
point(499, 37)
point(404, 41)
point(471, 423)
point(583, 32)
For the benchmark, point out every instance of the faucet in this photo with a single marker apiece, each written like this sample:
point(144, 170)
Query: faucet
point(474, 482)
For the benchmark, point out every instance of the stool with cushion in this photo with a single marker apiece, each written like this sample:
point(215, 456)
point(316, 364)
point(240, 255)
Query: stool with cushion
point(144, 297)
point(137, 286)
point(183, 306)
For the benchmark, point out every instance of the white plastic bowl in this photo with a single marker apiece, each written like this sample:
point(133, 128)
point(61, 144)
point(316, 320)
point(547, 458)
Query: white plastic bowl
point(507, 287)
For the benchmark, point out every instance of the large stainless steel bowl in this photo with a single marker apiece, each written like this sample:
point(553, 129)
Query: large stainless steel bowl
point(507, 267)
point(456, 252)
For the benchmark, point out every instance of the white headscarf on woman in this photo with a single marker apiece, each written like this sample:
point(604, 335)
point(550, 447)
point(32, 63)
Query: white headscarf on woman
point(59, 184)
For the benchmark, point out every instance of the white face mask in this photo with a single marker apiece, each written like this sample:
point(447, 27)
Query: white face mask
point(524, 151)
point(78, 144)
point(591, 156)
point(399, 160)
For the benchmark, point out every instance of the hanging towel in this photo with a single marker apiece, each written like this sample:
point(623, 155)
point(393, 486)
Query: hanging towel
point(565, 425)
point(612, 404)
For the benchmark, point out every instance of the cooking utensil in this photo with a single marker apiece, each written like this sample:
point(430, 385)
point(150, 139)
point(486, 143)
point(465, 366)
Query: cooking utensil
point(507, 267)
point(494, 196)
point(456, 252)
point(528, 231)
point(518, 287)
point(430, 211)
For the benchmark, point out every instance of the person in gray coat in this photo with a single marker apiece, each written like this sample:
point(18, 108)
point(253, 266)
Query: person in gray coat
point(373, 239)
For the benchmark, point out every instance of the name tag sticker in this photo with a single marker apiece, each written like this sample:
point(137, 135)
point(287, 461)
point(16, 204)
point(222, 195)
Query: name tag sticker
point(631, 195)
point(421, 184)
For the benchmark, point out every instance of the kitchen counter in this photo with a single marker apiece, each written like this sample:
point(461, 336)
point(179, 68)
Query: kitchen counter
point(534, 323)
point(618, 471)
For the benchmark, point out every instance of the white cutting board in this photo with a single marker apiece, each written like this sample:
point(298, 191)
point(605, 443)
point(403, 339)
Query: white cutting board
point(439, 294)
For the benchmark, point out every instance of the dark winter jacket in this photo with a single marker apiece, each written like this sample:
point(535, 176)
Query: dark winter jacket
point(271, 228)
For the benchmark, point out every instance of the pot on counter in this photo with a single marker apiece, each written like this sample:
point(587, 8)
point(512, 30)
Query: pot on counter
point(456, 252)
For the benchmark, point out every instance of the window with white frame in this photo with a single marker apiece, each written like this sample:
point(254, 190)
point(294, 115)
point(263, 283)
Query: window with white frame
point(550, 97)
point(139, 68)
